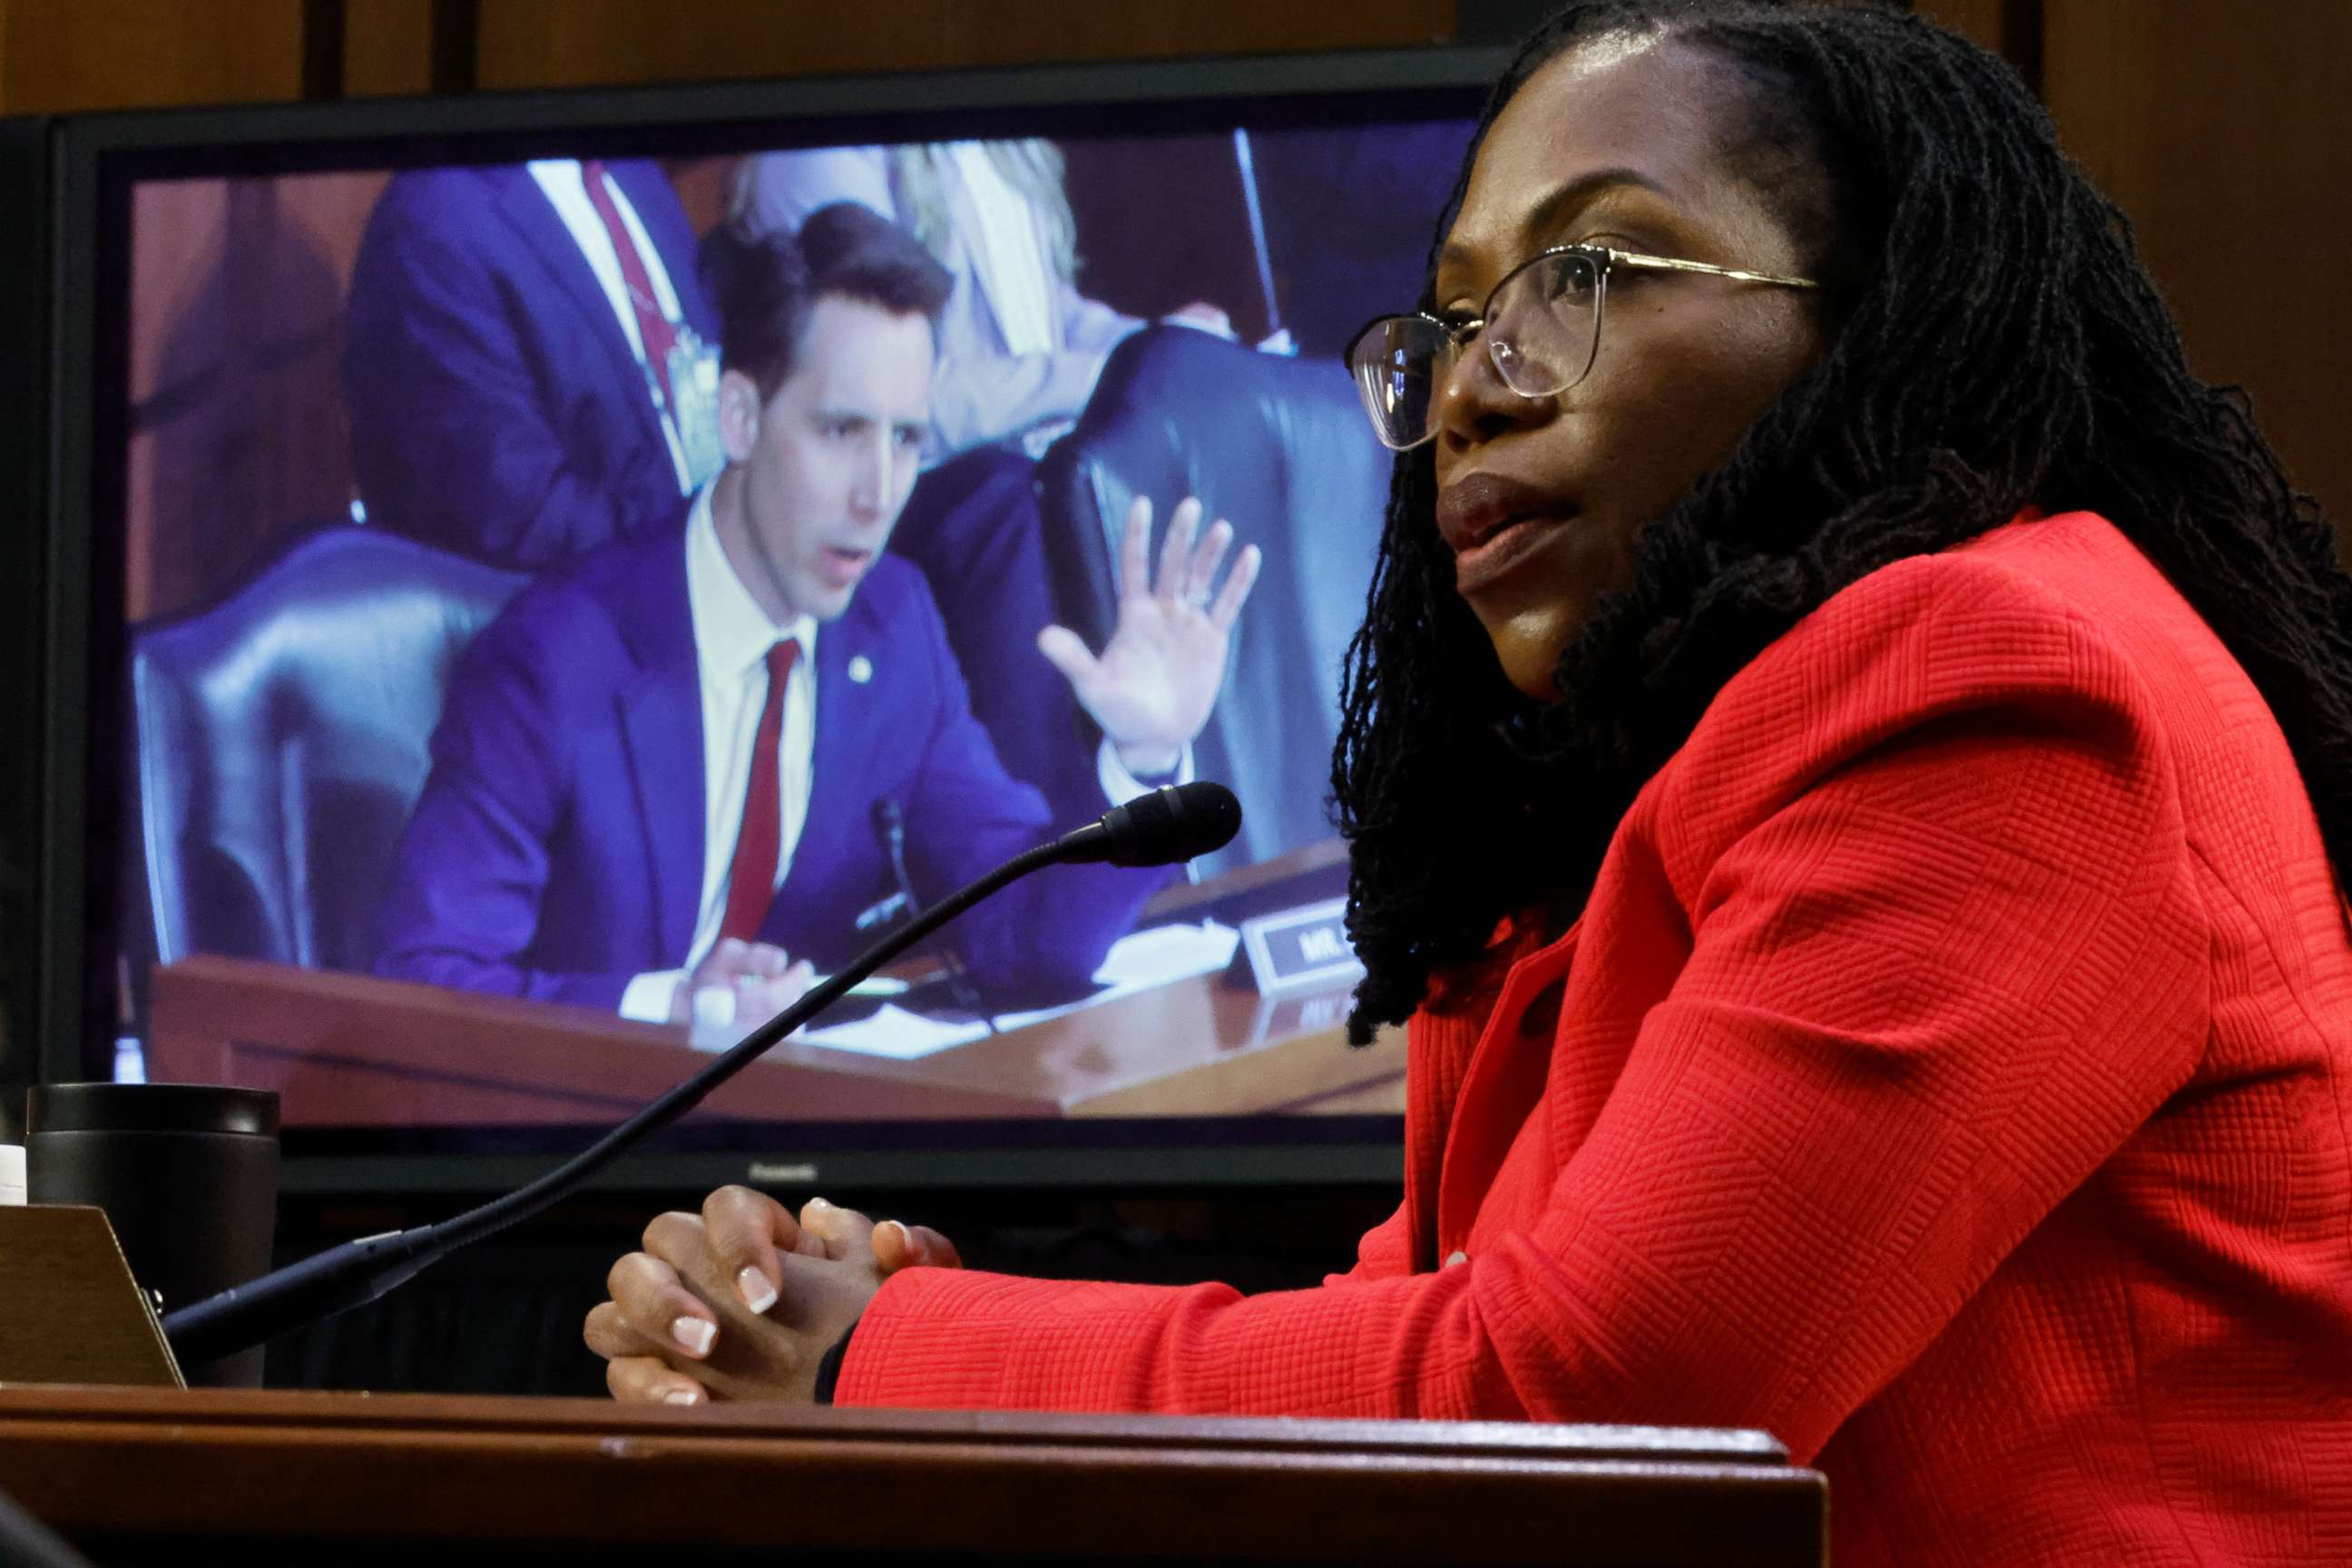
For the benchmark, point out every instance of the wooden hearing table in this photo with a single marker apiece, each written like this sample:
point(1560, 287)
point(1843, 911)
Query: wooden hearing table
point(355, 1050)
point(133, 1475)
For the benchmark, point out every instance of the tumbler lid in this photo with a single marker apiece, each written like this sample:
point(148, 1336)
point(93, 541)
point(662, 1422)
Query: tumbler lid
point(150, 1108)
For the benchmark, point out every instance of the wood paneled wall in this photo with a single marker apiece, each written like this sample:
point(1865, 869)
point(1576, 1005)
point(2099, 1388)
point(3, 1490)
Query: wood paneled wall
point(2224, 132)
point(387, 46)
point(2224, 129)
point(2230, 145)
point(237, 428)
point(64, 55)
point(561, 43)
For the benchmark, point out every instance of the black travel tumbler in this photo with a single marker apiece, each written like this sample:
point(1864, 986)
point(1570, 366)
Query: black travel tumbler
point(188, 1173)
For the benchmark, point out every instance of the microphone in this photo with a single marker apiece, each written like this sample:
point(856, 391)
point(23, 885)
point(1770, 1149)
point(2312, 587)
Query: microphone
point(891, 831)
point(1186, 820)
point(890, 827)
point(1172, 824)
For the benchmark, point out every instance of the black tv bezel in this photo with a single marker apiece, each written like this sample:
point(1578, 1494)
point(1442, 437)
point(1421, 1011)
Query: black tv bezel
point(91, 163)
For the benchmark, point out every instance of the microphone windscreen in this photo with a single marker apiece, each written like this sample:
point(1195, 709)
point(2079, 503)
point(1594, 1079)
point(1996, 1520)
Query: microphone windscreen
point(1172, 824)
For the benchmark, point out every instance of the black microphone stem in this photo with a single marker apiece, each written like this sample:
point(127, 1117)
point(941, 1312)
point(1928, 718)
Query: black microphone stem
point(526, 1201)
point(892, 821)
point(358, 1271)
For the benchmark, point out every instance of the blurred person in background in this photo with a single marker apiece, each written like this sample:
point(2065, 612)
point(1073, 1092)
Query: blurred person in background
point(531, 365)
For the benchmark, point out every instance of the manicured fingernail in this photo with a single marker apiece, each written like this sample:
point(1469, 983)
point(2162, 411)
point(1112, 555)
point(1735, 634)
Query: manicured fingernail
point(816, 1204)
point(757, 1293)
point(694, 1334)
point(690, 1395)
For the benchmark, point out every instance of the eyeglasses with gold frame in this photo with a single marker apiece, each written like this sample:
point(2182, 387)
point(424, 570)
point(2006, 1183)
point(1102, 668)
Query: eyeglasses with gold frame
point(1541, 326)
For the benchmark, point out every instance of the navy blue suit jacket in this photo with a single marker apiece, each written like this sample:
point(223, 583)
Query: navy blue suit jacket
point(557, 849)
point(497, 409)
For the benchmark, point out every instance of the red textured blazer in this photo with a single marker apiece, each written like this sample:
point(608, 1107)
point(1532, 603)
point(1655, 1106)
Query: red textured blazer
point(1950, 1074)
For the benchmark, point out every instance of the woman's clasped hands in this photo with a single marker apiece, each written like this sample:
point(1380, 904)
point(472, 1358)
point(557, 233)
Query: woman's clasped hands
point(743, 1299)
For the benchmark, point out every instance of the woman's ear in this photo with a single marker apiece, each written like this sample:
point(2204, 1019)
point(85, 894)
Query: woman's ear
point(738, 415)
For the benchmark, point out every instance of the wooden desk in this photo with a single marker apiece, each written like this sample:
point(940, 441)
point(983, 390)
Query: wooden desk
point(131, 1475)
point(355, 1050)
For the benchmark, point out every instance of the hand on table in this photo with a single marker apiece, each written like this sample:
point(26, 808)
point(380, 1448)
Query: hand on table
point(743, 1300)
point(761, 978)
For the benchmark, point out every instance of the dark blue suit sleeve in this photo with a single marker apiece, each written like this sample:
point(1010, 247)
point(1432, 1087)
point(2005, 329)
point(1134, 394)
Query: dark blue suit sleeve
point(471, 873)
point(460, 435)
point(1047, 933)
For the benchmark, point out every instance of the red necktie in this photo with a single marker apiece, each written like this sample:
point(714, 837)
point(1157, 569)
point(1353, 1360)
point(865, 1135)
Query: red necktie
point(654, 329)
point(751, 885)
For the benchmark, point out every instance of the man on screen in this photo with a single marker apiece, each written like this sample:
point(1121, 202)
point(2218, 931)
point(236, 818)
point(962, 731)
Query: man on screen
point(656, 772)
point(1020, 347)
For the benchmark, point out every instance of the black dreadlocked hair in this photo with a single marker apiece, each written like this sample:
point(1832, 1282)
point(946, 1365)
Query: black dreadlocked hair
point(1996, 342)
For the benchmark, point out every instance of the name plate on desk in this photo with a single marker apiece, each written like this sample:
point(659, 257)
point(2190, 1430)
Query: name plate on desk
point(1298, 949)
point(1301, 1011)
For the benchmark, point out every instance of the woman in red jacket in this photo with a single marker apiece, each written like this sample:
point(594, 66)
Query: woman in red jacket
point(1849, 775)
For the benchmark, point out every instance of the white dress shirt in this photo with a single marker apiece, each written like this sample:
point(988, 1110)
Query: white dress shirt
point(566, 184)
point(731, 639)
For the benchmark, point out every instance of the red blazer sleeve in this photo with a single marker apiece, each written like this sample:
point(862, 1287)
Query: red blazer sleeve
point(1945, 969)
point(1384, 1252)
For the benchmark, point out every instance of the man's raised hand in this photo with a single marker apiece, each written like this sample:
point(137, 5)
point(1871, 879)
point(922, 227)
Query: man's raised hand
point(1156, 680)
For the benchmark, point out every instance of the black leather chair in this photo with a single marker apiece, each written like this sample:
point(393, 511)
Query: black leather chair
point(281, 738)
point(1281, 448)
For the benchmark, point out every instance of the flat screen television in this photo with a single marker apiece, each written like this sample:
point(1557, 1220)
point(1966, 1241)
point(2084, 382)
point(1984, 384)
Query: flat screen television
point(397, 540)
